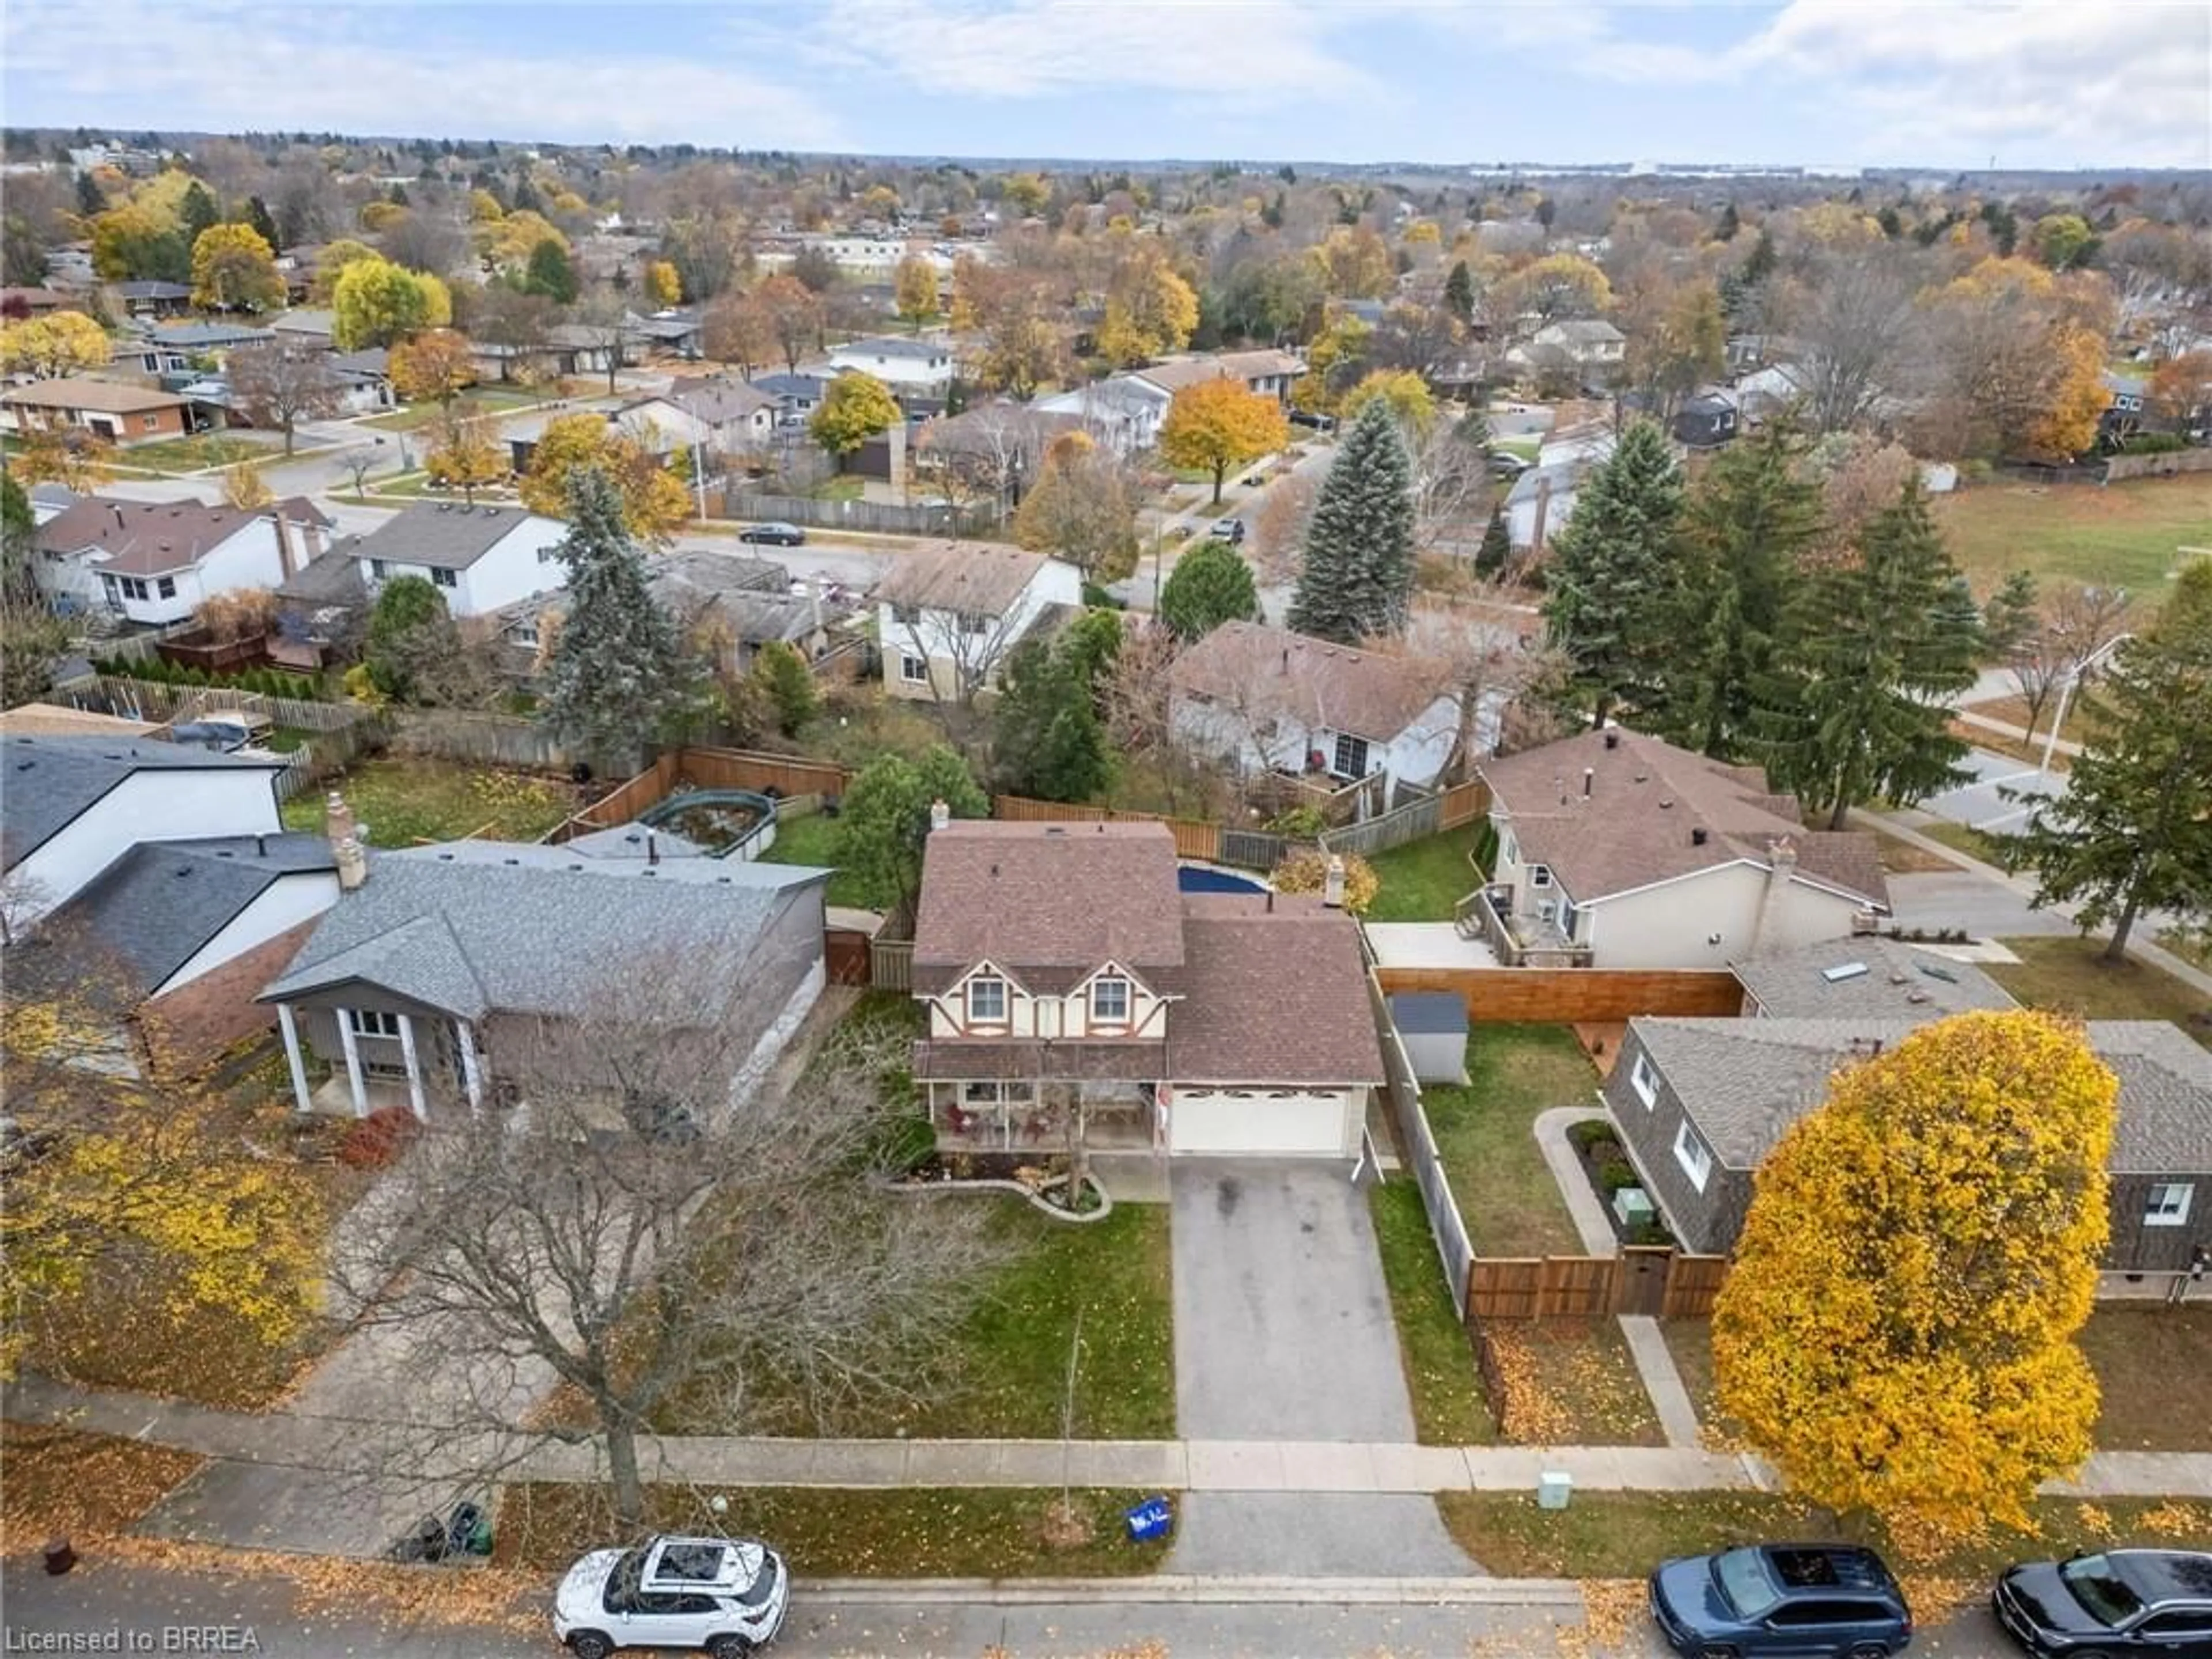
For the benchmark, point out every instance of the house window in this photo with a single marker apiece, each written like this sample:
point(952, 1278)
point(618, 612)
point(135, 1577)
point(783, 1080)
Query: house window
point(912, 670)
point(1540, 875)
point(1643, 1079)
point(524, 633)
point(440, 577)
point(125, 587)
point(2169, 1204)
point(373, 1021)
point(907, 616)
point(1690, 1152)
point(149, 423)
point(974, 624)
point(1351, 759)
point(987, 1002)
point(377, 571)
point(167, 587)
point(1109, 1001)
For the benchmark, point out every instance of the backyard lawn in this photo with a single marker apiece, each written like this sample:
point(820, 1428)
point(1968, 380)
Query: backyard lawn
point(2069, 974)
point(1422, 880)
point(1506, 1195)
point(2123, 535)
point(1448, 1409)
point(2148, 1361)
point(405, 800)
point(826, 1532)
point(813, 840)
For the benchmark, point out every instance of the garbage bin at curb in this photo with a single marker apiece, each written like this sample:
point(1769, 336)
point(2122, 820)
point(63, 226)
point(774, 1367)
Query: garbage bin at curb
point(1149, 1520)
point(60, 1557)
point(1554, 1488)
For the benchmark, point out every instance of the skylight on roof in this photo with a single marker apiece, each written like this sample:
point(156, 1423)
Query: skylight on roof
point(1844, 970)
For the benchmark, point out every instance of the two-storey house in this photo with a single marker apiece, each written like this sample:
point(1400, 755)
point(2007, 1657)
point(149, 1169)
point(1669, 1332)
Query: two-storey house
point(908, 367)
point(156, 562)
point(482, 559)
point(948, 615)
point(1071, 989)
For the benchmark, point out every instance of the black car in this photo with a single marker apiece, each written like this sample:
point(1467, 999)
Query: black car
point(776, 534)
point(1313, 422)
point(1836, 1601)
point(2100, 1607)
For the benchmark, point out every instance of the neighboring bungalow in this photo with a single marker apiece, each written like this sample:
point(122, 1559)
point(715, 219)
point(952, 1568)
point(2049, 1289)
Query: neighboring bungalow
point(1540, 502)
point(450, 978)
point(1065, 976)
point(1593, 346)
point(1124, 411)
point(1616, 850)
point(908, 367)
point(797, 395)
point(151, 884)
point(1271, 373)
point(727, 604)
point(993, 445)
point(33, 301)
point(149, 298)
point(316, 326)
point(950, 614)
point(1266, 699)
point(724, 415)
point(1700, 1103)
point(169, 348)
point(364, 380)
point(520, 433)
point(156, 562)
point(676, 333)
point(124, 414)
point(481, 558)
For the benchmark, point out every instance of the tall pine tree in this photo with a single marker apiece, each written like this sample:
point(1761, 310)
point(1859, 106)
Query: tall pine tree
point(1048, 742)
point(1612, 573)
point(1358, 576)
point(618, 677)
point(2133, 830)
point(1859, 703)
point(1750, 517)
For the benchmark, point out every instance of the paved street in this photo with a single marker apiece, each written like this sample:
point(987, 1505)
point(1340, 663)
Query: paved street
point(1980, 806)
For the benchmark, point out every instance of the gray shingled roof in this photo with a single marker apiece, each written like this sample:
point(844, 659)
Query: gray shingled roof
point(1273, 993)
point(443, 535)
point(152, 910)
point(47, 783)
point(476, 927)
point(1899, 981)
point(1744, 1082)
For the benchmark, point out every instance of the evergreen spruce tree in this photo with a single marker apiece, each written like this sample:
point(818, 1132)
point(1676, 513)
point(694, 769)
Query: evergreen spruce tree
point(1857, 705)
point(1459, 292)
point(1210, 584)
point(256, 215)
point(198, 212)
point(1047, 739)
point(2011, 616)
point(618, 677)
point(1358, 576)
point(1744, 526)
point(1496, 550)
point(1611, 573)
point(2133, 830)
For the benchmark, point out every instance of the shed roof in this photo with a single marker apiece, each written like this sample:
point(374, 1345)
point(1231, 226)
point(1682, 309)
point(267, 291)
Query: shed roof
point(1866, 977)
point(1429, 1014)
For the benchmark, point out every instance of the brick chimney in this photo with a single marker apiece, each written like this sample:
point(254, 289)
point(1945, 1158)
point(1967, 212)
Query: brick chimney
point(353, 864)
point(337, 819)
point(1332, 884)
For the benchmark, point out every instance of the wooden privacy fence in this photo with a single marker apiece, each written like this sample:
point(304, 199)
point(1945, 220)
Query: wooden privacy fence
point(154, 700)
point(1193, 838)
point(891, 964)
point(1418, 1148)
point(1641, 1279)
point(1556, 995)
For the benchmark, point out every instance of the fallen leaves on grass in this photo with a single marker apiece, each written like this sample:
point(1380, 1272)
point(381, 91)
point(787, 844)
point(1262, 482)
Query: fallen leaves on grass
point(1528, 1412)
point(2186, 1519)
point(401, 1596)
point(67, 1482)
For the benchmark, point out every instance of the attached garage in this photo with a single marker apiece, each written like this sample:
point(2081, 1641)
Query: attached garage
point(1264, 1122)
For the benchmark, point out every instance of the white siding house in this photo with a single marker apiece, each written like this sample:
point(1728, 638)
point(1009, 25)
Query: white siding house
point(1124, 411)
point(949, 616)
point(155, 564)
point(482, 559)
point(914, 366)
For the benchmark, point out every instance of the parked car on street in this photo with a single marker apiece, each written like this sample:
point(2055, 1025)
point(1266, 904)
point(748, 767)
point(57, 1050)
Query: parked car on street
point(724, 1596)
point(774, 534)
point(1764, 1601)
point(2116, 1602)
point(1312, 422)
point(1228, 530)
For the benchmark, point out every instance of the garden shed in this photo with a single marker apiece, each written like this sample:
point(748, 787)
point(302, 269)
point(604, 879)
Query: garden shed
point(1432, 1024)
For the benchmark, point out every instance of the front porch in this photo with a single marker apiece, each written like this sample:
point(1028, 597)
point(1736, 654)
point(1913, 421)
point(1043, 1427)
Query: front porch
point(388, 1059)
point(1024, 1115)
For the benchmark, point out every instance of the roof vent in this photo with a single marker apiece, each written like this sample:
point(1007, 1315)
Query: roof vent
point(1054, 829)
point(1665, 801)
point(445, 858)
point(1844, 970)
point(1698, 837)
point(1915, 995)
point(575, 866)
point(1613, 739)
point(514, 861)
point(182, 869)
point(224, 851)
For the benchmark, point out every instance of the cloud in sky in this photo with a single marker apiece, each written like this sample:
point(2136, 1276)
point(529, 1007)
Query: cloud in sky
point(1938, 82)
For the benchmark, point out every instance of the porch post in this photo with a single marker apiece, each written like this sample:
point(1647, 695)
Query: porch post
point(292, 1055)
point(471, 1068)
point(360, 1084)
point(414, 1071)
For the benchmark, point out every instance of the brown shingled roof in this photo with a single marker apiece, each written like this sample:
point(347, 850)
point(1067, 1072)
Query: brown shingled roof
point(974, 578)
point(1647, 800)
point(145, 539)
point(1048, 903)
point(1276, 996)
point(101, 397)
point(1271, 673)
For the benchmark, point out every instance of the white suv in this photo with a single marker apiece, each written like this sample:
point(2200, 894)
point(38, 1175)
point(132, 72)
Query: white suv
point(726, 1596)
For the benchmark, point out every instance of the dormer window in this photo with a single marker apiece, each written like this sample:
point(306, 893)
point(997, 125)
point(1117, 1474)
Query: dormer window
point(1109, 1001)
point(987, 1002)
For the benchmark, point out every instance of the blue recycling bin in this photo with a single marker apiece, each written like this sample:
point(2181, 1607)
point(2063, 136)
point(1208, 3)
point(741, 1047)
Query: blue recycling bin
point(1149, 1520)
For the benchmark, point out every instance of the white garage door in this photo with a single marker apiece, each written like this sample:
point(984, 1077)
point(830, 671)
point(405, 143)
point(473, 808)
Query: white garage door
point(1246, 1121)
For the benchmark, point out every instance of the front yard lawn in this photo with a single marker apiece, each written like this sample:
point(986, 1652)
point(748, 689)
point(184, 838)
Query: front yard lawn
point(1422, 880)
point(1484, 1132)
point(813, 840)
point(65, 1482)
point(1606, 1534)
point(1448, 1409)
point(2148, 1361)
point(483, 400)
point(403, 800)
point(825, 1532)
point(1570, 1382)
point(193, 454)
point(2125, 535)
point(2069, 974)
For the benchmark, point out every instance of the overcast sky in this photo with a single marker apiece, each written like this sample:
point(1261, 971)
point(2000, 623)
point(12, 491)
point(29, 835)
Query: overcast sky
point(1856, 83)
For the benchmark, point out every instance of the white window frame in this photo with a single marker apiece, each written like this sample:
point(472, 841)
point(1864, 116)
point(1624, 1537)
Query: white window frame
point(1540, 875)
point(976, 1016)
point(913, 671)
point(1694, 1155)
point(378, 570)
point(167, 587)
point(2169, 1204)
point(1337, 769)
point(442, 576)
point(1099, 1015)
point(1643, 1079)
point(907, 616)
point(373, 1023)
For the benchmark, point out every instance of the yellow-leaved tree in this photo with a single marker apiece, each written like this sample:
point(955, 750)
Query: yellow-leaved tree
point(1406, 393)
point(1149, 308)
point(1897, 1331)
point(914, 290)
point(60, 344)
point(654, 502)
point(234, 269)
point(663, 284)
point(1219, 424)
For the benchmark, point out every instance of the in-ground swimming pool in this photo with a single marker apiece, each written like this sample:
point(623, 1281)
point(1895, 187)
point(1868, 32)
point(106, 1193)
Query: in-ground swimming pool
point(1206, 878)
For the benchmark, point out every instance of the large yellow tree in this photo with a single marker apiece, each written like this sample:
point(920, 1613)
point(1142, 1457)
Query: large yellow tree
point(915, 289)
point(1897, 1331)
point(376, 302)
point(654, 502)
point(434, 366)
point(1219, 424)
point(1404, 392)
point(1149, 309)
point(234, 269)
point(61, 342)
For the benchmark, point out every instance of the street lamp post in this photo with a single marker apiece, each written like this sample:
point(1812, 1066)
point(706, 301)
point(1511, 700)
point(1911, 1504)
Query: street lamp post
point(2095, 659)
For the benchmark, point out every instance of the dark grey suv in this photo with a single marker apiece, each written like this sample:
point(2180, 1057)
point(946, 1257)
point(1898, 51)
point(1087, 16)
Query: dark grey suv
point(2100, 1606)
point(1765, 1601)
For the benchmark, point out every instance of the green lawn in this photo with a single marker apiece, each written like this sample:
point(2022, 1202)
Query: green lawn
point(1422, 880)
point(484, 400)
point(2148, 1360)
point(192, 454)
point(1621, 1534)
point(1448, 1409)
point(404, 801)
point(1974, 844)
point(2122, 535)
point(1506, 1195)
point(2069, 974)
point(825, 1532)
point(813, 840)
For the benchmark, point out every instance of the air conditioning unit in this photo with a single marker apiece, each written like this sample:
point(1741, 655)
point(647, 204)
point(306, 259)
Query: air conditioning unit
point(1865, 921)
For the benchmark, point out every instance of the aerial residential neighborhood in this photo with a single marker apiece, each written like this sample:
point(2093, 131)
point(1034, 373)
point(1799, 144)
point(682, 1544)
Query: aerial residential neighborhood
point(795, 860)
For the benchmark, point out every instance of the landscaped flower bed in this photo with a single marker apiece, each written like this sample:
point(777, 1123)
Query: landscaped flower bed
point(1045, 1184)
point(1605, 1167)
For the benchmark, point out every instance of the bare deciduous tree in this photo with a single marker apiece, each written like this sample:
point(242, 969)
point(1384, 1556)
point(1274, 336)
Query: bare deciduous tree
point(1855, 333)
point(1489, 649)
point(281, 383)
